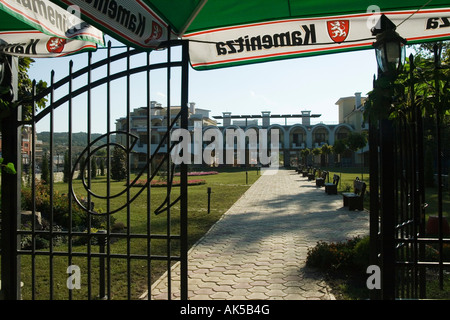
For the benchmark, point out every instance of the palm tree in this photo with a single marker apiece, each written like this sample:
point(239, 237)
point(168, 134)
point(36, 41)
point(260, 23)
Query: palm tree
point(339, 148)
point(316, 151)
point(326, 150)
point(305, 152)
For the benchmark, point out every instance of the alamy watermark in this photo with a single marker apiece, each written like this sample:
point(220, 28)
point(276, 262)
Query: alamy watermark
point(231, 146)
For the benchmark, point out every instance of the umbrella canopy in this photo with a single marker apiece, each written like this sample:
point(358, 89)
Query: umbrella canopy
point(232, 32)
point(44, 29)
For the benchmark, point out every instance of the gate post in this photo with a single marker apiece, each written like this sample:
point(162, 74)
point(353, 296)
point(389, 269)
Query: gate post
point(183, 175)
point(10, 192)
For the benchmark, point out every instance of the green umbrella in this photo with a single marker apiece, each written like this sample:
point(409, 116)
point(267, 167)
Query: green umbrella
point(234, 32)
point(44, 29)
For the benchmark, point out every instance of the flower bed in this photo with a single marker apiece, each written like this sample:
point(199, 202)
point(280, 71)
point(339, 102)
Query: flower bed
point(199, 173)
point(156, 183)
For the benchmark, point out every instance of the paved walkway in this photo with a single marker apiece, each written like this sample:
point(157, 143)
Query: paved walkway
point(258, 249)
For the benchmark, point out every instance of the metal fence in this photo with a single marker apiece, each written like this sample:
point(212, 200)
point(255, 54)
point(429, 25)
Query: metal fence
point(93, 236)
point(406, 151)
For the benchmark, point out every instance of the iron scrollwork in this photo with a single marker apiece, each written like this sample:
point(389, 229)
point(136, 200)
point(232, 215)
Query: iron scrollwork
point(92, 148)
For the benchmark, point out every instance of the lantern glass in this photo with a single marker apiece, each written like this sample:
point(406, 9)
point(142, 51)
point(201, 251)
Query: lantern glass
point(391, 56)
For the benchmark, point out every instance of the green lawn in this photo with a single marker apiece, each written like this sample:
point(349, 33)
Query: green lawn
point(227, 187)
point(348, 175)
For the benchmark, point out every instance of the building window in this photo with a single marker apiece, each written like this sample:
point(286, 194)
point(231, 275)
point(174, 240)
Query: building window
point(297, 138)
point(320, 137)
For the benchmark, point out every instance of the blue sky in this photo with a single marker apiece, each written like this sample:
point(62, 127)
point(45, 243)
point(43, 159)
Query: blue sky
point(282, 87)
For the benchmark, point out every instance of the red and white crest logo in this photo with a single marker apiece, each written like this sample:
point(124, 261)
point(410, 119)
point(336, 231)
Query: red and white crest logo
point(338, 30)
point(56, 45)
point(157, 32)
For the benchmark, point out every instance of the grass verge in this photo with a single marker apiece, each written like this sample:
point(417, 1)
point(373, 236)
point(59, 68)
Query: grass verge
point(128, 274)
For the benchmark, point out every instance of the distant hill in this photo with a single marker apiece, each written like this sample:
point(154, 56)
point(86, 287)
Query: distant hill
point(61, 140)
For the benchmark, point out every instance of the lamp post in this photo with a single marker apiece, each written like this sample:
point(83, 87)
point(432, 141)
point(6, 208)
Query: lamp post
point(390, 54)
point(390, 49)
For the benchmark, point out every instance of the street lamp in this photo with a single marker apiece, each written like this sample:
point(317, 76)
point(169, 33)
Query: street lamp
point(390, 54)
point(389, 47)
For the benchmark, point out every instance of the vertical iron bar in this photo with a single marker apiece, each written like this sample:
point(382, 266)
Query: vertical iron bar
point(88, 169)
point(421, 194)
point(108, 166)
point(396, 204)
point(169, 143)
point(50, 166)
point(437, 58)
point(415, 215)
point(33, 193)
point(101, 266)
point(440, 187)
point(128, 176)
point(183, 174)
point(70, 177)
point(149, 173)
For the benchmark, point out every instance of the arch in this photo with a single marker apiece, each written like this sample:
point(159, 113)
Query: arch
point(319, 138)
point(296, 126)
point(339, 127)
point(343, 125)
point(296, 141)
point(320, 125)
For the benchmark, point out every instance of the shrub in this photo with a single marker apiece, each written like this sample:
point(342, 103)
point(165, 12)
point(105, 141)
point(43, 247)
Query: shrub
point(60, 206)
point(118, 227)
point(118, 164)
point(350, 255)
point(361, 254)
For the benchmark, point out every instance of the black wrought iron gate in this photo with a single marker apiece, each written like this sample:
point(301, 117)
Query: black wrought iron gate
point(408, 254)
point(103, 232)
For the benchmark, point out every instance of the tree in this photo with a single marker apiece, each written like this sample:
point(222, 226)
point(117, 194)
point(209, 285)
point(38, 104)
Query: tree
point(305, 152)
point(45, 172)
point(67, 167)
point(339, 148)
point(102, 166)
point(356, 141)
point(316, 152)
point(326, 150)
point(24, 95)
point(25, 86)
point(93, 167)
point(118, 164)
point(82, 167)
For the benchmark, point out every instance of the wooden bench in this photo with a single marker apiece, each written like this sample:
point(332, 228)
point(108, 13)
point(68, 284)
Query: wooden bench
point(354, 200)
point(305, 172)
point(312, 175)
point(331, 187)
point(320, 181)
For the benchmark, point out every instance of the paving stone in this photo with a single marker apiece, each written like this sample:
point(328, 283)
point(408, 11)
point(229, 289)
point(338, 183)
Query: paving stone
point(256, 296)
point(221, 296)
point(258, 249)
